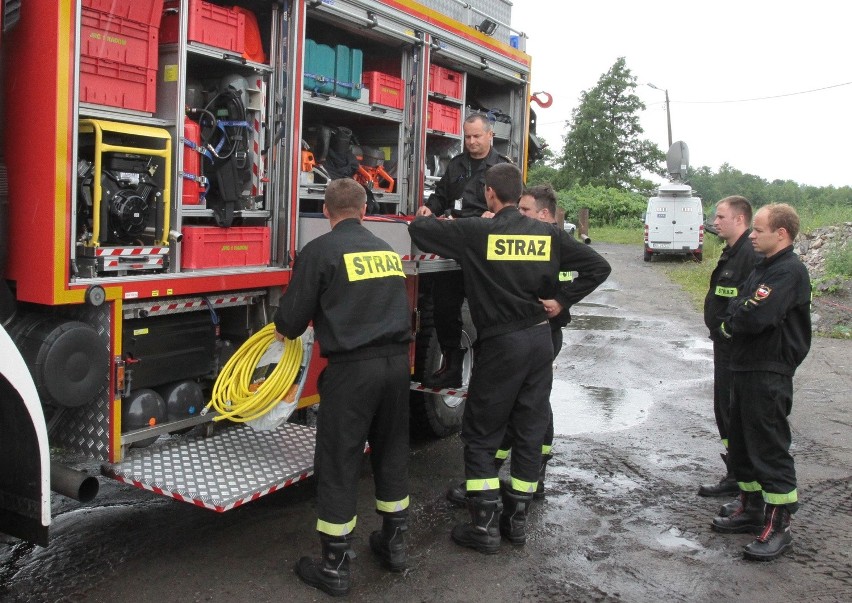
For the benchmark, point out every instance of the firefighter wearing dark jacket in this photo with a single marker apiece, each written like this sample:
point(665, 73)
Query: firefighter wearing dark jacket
point(769, 326)
point(460, 193)
point(732, 221)
point(351, 285)
point(510, 263)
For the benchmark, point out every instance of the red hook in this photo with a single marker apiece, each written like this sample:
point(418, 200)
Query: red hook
point(543, 104)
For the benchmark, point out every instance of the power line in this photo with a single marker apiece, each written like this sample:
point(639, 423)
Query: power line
point(747, 100)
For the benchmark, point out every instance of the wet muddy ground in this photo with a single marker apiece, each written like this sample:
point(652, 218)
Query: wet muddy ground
point(621, 521)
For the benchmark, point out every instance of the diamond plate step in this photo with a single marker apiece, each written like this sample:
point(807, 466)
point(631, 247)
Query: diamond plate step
point(233, 466)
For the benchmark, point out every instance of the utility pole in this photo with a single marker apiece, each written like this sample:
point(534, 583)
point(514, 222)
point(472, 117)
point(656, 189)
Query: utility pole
point(668, 111)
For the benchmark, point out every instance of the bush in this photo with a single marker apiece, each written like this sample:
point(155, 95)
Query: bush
point(607, 206)
point(838, 261)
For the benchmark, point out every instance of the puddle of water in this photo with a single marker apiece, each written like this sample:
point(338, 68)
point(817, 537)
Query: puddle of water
point(592, 409)
point(694, 349)
point(586, 322)
point(672, 539)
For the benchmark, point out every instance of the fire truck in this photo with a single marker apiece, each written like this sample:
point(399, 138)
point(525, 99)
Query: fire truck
point(164, 162)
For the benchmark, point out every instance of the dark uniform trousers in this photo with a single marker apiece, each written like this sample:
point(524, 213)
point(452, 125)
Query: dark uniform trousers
point(759, 438)
point(448, 296)
point(722, 388)
point(510, 384)
point(362, 400)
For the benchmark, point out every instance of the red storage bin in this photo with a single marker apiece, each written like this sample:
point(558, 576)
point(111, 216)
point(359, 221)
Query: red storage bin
point(209, 24)
point(212, 247)
point(384, 89)
point(445, 81)
point(105, 82)
point(148, 12)
point(106, 36)
point(443, 118)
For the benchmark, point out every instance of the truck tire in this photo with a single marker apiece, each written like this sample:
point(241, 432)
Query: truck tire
point(436, 415)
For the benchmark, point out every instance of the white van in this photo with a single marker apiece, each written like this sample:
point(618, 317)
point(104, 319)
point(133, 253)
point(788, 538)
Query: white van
point(674, 223)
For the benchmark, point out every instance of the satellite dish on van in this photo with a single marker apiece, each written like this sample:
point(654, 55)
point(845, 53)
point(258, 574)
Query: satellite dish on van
point(677, 160)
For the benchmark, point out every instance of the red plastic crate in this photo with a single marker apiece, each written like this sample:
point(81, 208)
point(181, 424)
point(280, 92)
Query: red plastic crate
point(104, 36)
point(443, 118)
point(445, 81)
point(104, 82)
point(213, 247)
point(148, 12)
point(384, 89)
point(209, 24)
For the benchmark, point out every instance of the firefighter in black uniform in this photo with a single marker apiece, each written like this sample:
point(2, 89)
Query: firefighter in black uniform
point(537, 202)
point(769, 325)
point(732, 222)
point(510, 263)
point(459, 193)
point(351, 285)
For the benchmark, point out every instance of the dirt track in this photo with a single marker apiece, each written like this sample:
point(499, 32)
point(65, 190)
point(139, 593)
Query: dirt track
point(621, 521)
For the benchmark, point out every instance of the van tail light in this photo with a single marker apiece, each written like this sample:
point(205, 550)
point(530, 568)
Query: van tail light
point(701, 236)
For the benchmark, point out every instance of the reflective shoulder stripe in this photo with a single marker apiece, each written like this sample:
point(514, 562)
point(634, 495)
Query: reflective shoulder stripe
point(726, 291)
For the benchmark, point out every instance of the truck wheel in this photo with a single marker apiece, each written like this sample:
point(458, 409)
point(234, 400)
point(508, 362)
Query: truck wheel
point(438, 415)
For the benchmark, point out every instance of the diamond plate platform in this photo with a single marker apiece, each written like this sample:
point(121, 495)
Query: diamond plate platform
point(233, 466)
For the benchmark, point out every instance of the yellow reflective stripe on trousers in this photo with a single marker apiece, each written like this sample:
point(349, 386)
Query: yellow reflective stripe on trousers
point(781, 499)
point(725, 443)
point(391, 506)
point(522, 486)
point(336, 529)
point(482, 485)
point(545, 449)
point(502, 454)
point(749, 486)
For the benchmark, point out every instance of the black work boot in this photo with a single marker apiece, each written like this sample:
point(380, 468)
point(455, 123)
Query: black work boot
point(775, 538)
point(389, 542)
point(513, 519)
point(539, 490)
point(747, 518)
point(482, 533)
point(729, 508)
point(457, 494)
point(727, 486)
point(450, 373)
point(331, 573)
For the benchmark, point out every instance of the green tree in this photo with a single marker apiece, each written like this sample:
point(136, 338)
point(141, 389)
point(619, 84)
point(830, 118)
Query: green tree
point(603, 146)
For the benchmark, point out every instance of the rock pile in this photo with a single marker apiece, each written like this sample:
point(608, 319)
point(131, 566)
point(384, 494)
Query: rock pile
point(813, 247)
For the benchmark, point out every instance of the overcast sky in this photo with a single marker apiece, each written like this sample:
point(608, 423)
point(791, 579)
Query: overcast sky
point(705, 54)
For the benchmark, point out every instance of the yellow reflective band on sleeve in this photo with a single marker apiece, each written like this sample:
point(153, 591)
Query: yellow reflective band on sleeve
point(522, 486)
point(726, 291)
point(749, 486)
point(482, 485)
point(502, 454)
point(372, 264)
point(545, 449)
point(391, 506)
point(527, 248)
point(724, 331)
point(336, 529)
point(781, 499)
point(565, 277)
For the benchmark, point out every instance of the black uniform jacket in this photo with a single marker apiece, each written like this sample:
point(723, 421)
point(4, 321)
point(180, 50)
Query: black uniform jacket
point(735, 264)
point(770, 323)
point(351, 284)
point(461, 182)
point(509, 262)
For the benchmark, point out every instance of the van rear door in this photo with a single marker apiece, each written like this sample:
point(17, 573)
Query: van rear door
point(660, 220)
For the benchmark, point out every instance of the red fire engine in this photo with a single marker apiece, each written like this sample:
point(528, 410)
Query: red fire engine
point(166, 160)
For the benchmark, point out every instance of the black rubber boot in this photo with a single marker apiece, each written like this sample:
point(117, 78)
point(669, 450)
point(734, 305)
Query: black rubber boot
point(747, 518)
point(331, 573)
point(389, 542)
point(513, 519)
point(450, 373)
point(775, 538)
point(482, 532)
point(727, 486)
point(729, 508)
point(539, 490)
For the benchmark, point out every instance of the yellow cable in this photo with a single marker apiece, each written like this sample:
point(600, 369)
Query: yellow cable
point(233, 397)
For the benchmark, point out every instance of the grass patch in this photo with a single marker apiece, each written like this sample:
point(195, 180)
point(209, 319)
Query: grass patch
point(694, 277)
point(615, 234)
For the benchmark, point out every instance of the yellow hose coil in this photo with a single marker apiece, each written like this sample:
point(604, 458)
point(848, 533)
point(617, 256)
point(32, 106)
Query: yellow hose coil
point(233, 397)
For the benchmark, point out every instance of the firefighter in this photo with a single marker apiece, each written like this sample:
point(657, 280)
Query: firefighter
point(509, 265)
point(732, 222)
point(769, 325)
point(459, 193)
point(351, 285)
point(537, 202)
